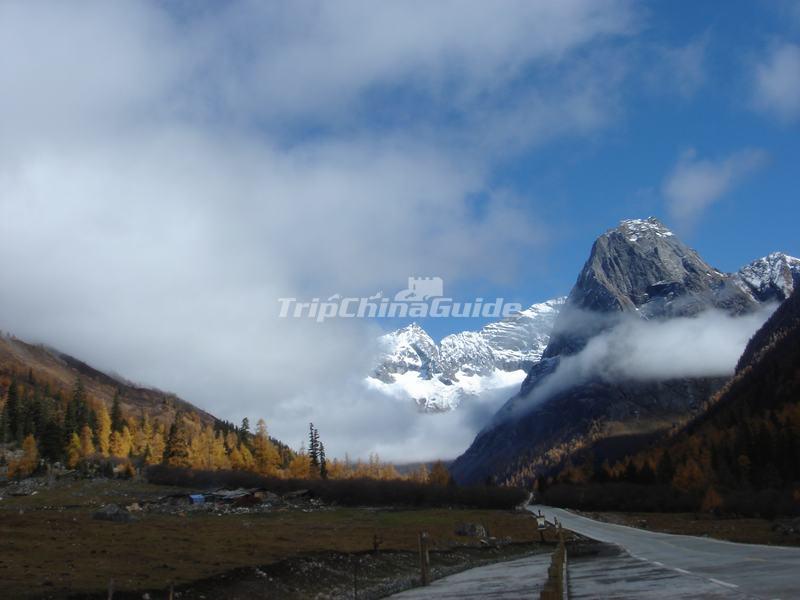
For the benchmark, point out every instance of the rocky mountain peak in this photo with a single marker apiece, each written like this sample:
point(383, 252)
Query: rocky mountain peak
point(773, 277)
point(642, 267)
point(636, 229)
point(463, 364)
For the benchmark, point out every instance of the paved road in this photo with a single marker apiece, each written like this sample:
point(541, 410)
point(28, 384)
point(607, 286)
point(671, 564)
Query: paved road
point(512, 580)
point(719, 569)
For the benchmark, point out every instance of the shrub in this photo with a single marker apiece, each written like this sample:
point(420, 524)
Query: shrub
point(347, 492)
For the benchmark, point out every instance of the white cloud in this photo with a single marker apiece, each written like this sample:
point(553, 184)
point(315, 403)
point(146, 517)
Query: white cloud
point(694, 184)
point(776, 82)
point(165, 177)
point(707, 345)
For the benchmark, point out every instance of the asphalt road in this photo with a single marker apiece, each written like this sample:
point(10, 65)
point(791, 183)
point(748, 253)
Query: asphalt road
point(661, 565)
point(518, 579)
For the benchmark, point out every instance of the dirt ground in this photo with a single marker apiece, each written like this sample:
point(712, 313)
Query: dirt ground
point(784, 532)
point(53, 548)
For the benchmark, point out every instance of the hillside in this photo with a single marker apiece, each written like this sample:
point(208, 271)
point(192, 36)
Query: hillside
point(59, 372)
point(641, 294)
point(741, 454)
point(56, 408)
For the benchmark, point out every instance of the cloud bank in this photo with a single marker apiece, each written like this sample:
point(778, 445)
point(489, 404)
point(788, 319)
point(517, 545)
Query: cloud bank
point(706, 345)
point(169, 170)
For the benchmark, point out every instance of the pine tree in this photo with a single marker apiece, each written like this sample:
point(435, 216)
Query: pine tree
point(265, 454)
point(30, 458)
point(12, 413)
point(117, 421)
point(439, 474)
point(52, 440)
point(87, 446)
point(157, 444)
point(323, 463)
point(176, 450)
point(313, 447)
point(219, 457)
point(665, 471)
point(73, 451)
point(103, 430)
point(421, 474)
point(81, 407)
point(300, 466)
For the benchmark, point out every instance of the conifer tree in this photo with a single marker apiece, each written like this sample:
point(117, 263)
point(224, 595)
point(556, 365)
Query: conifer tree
point(300, 466)
point(421, 474)
point(12, 413)
point(176, 450)
point(81, 408)
point(87, 446)
point(103, 430)
point(439, 474)
point(73, 451)
point(313, 447)
point(117, 421)
point(323, 463)
point(157, 444)
point(30, 457)
point(52, 440)
point(265, 454)
point(219, 457)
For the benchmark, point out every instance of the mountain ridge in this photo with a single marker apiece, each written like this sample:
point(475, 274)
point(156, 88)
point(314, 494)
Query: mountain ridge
point(639, 269)
point(440, 376)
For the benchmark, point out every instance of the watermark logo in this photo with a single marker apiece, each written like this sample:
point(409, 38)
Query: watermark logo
point(422, 298)
point(421, 289)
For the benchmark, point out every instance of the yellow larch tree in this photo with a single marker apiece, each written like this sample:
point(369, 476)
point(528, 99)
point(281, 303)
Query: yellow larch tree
point(103, 430)
point(73, 451)
point(29, 461)
point(265, 454)
point(300, 466)
point(87, 445)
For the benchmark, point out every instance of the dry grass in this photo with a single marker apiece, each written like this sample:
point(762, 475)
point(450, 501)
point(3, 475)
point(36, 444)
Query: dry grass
point(743, 530)
point(49, 549)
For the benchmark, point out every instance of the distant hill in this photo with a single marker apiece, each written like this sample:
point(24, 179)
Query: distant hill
point(58, 372)
point(741, 454)
point(638, 272)
point(76, 414)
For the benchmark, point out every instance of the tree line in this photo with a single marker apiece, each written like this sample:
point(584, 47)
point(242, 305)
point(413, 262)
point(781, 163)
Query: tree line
point(49, 426)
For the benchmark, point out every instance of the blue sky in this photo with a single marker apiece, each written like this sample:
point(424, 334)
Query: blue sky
point(582, 185)
point(169, 170)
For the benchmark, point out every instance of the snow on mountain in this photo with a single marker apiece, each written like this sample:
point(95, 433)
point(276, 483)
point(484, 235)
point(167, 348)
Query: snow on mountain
point(639, 266)
point(464, 365)
point(772, 277)
point(642, 270)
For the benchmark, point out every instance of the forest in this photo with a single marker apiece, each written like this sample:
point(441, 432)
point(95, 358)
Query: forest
point(740, 455)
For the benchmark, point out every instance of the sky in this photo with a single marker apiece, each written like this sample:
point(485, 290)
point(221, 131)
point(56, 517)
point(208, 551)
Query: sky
point(169, 170)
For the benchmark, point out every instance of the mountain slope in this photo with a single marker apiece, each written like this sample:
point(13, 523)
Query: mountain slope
point(465, 364)
point(59, 372)
point(638, 271)
point(740, 455)
point(641, 267)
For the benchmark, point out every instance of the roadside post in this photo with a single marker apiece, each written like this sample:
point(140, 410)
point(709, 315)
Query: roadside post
point(541, 525)
point(424, 558)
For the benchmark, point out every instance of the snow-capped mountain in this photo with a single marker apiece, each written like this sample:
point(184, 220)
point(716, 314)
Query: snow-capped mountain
point(640, 266)
point(466, 364)
point(638, 269)
point(773, 277)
